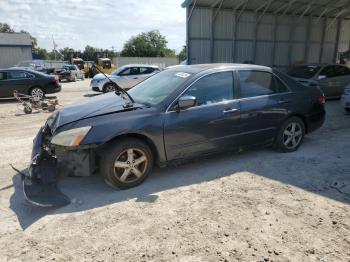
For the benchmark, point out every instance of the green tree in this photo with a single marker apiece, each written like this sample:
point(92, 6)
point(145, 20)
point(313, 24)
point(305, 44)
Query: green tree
point(182, 55)
point(32, 38)
point(5, 28)
point(150, 44)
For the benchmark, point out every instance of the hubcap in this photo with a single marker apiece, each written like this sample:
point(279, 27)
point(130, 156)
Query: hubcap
point(130, 165)
point(37, 93)
point(292, 135)
point(110, 88)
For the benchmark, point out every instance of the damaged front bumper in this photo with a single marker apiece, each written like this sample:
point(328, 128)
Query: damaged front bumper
point(47, 166)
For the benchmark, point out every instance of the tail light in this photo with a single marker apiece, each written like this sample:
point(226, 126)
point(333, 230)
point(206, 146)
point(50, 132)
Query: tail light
point(322, 99)
point(56, 79)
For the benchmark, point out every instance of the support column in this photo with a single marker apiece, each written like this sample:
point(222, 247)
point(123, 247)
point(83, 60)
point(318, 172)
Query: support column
point(273, 53)
point(336, 47)
point(307, 40)
point(323, 37)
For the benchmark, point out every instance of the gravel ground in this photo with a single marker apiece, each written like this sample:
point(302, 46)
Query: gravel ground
point(258, 205)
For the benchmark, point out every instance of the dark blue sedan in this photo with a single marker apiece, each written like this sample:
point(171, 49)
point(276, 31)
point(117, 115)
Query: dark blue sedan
point(180, 113)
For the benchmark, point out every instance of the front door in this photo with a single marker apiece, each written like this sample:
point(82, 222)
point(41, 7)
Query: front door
point(5, 88)
point(211, 125)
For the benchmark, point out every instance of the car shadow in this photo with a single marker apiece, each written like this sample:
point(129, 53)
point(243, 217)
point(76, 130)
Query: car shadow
point(91, 192)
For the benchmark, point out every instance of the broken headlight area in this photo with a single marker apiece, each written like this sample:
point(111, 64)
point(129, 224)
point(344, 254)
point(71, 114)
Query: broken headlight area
point(54, 156)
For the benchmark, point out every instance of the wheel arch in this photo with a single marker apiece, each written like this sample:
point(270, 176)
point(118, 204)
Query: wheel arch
point(108, 83)
point(141, 137)
point(303, 118)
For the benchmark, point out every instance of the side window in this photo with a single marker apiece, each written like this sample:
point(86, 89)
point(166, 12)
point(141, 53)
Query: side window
point(134, 71)
point(17, 75)
point(3, 75)
point(146, 70)
point(213, 88)
point(125, 72)
point(280, 86)
point(258, 83)
point(329, 72)
point(342, 71)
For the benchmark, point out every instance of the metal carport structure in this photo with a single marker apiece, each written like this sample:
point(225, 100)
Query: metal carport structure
point(268, 32)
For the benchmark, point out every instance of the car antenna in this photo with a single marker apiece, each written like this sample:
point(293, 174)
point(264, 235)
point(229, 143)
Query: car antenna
point(119, 89)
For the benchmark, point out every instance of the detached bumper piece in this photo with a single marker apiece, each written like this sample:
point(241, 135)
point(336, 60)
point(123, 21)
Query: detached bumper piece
point(40, 185)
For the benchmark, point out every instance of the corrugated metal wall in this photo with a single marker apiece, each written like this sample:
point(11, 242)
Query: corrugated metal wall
point(162, 62)
point(9, 56)
point(274, 40)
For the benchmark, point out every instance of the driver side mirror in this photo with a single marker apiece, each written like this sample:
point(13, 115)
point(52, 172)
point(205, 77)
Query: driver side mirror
point(185, 102)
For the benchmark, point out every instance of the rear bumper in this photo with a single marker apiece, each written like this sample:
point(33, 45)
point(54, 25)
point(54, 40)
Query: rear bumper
point(315, 121)
point(53, 89)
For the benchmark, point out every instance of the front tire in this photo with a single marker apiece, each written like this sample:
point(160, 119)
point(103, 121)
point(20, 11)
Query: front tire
point(109, 87)
point(290, 135)
point(126, 163)
point(347, 109)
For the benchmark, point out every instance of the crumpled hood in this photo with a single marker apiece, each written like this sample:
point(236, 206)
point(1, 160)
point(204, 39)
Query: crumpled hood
point(98, 105)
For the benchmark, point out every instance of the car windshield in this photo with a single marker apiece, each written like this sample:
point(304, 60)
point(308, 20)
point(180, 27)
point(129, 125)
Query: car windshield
point(304, 71)
point(155, 89)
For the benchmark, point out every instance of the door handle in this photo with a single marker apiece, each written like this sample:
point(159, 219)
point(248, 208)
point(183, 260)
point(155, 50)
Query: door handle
point(135, 78)
point(230, 110)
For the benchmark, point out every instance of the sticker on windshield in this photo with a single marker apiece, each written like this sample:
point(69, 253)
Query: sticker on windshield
point(183, 75)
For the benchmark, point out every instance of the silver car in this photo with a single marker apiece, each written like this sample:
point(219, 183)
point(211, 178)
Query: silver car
point(332, 79)
point(125, 77)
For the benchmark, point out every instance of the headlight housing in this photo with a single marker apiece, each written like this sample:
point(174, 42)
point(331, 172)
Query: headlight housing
point(72, 137)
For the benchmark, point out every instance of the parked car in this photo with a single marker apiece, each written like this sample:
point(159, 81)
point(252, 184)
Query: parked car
point(345, 98)
point(332, 79)
point(125, 77)
point(70, 73)
point(181, 112)
point(27, 81)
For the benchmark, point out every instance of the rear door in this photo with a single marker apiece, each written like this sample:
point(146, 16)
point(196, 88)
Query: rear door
point(264, 102)
point(212, 125)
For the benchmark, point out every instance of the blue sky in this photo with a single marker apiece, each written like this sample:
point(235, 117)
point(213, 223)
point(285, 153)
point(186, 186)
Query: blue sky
point(100, 23)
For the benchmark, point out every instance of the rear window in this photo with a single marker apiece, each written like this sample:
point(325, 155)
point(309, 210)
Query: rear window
point(306, 72)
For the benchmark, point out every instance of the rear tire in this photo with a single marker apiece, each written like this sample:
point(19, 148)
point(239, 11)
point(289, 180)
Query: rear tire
point(290, 135)
point(347, 109)
point(37, 93)
point(126, 163)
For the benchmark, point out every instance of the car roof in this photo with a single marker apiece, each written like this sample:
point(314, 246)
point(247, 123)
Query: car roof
point(19, 69)
point(204, 67)
point(140, 65)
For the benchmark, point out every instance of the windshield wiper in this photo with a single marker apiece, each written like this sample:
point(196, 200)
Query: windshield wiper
point(119, 90)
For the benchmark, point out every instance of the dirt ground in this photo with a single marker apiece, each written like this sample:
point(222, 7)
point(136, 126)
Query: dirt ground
point(258, 205)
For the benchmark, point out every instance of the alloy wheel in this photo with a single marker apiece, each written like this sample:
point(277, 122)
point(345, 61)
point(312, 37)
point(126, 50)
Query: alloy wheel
point(130, 165)
point(37, 93)
point(110, 88)
point(292, 135)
